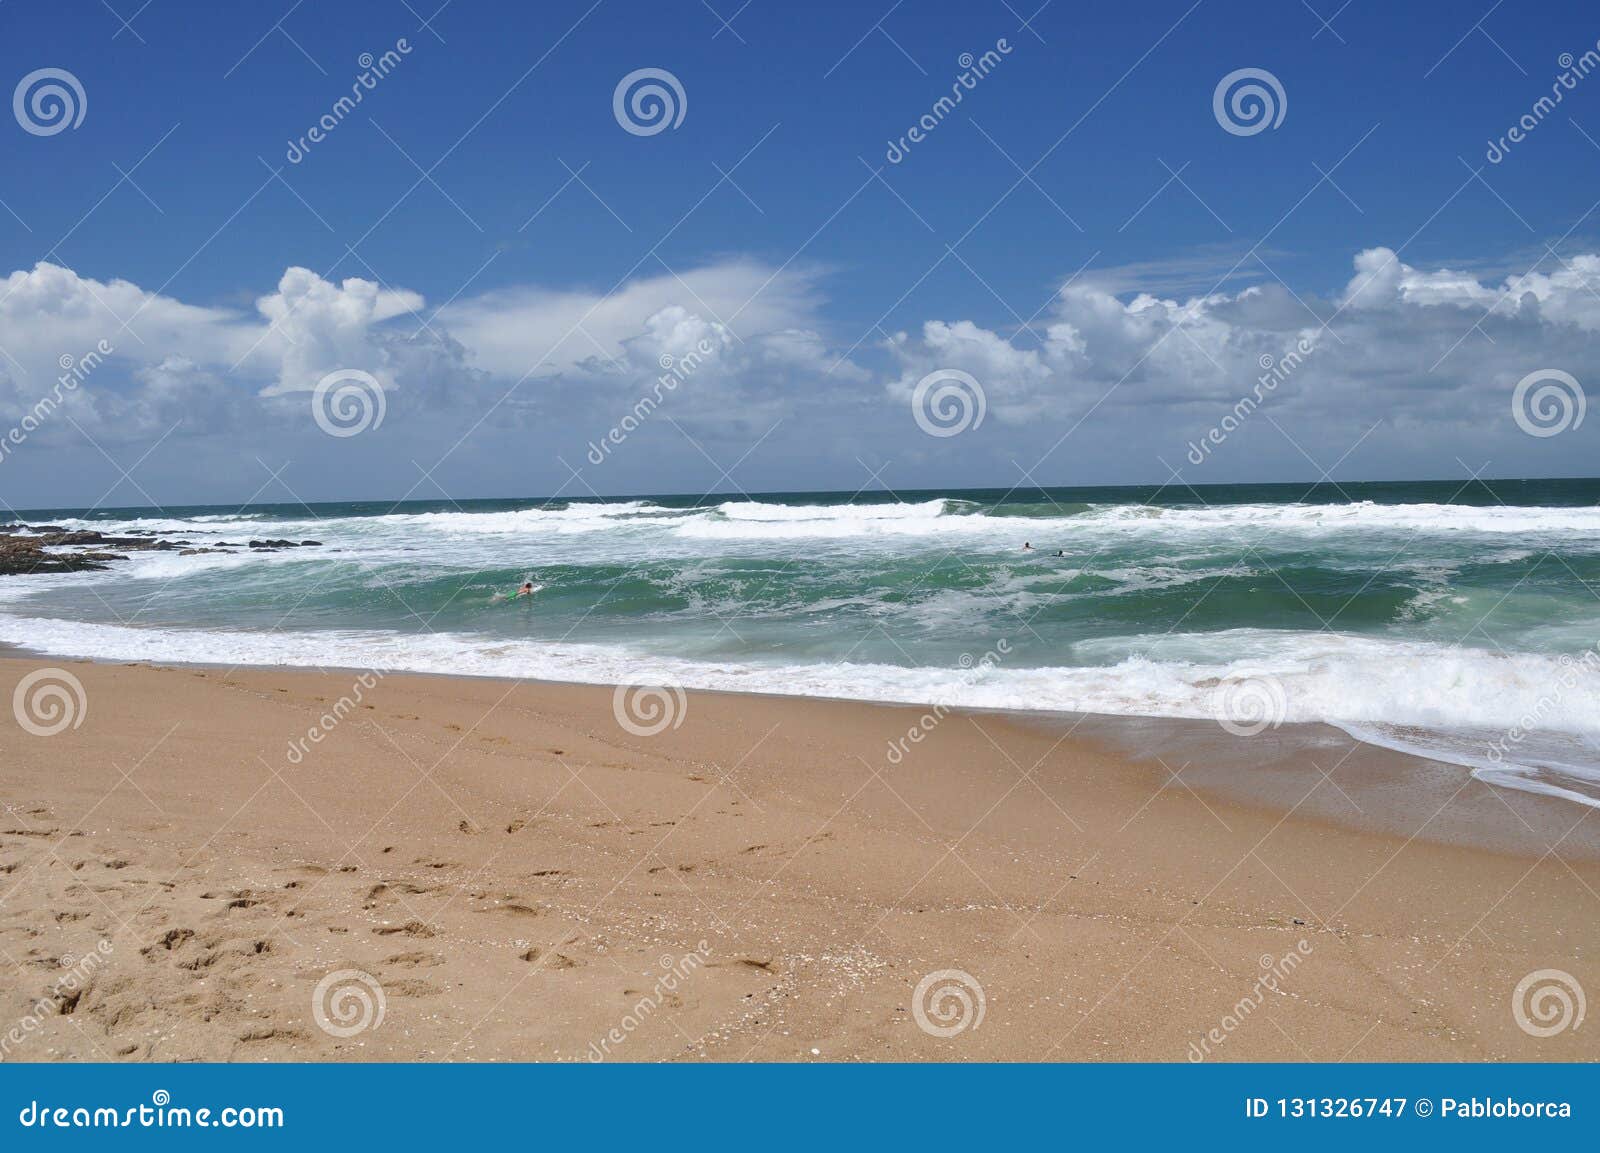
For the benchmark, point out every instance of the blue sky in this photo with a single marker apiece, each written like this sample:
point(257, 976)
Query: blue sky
point(508, 264)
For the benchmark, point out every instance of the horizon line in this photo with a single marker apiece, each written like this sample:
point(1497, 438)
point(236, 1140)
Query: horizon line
point(15, 516)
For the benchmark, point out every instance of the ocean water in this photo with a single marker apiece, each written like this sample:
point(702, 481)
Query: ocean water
point(1459, 623)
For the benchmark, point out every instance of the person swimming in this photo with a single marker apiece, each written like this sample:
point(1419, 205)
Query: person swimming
point(1026, 547)
point(525, 591)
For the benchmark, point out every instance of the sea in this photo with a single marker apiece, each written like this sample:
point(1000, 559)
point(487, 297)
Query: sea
point(1454, 621)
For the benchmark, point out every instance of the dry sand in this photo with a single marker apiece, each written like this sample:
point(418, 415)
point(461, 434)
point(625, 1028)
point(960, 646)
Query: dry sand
point(525, 879)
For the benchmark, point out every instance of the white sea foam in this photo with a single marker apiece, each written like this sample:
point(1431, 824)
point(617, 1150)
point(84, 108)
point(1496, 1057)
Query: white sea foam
point(1359, 515)
point(935, 519)
point(1439, 701)
point(755, 510)
point(1404, 688)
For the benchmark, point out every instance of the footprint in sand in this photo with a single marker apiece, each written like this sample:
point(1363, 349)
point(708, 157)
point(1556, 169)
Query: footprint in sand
point(762, 963)
point(201, 961)
point(556, 960)
point(415, 960)
point(409, 929)
point(306, 870)
point(267, 1033)
point(670, 1000)
point(171, 941)
point(413, 889)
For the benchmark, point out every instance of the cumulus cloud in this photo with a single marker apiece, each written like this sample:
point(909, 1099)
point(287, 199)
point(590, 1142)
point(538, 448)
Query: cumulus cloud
point(49, 312)
point(1017, 382)
point(551, 367)
point(539, 332)
point(315, 327)
point(51, 319)
point(1393, 344)
point(50, 309)
point(1432, 349)
point(756, 333)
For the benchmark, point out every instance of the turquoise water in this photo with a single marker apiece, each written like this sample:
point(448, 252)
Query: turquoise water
point(1428, 616)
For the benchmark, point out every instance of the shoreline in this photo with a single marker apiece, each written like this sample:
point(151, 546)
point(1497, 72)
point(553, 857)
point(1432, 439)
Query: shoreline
point(1126, 638)
point(1267, 770)
point(513, 868)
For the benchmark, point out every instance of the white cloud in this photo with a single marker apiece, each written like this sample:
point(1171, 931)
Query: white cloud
point(1016, 381)
point(1400, 345)
point(756, 331)
point(1398, 341)
point(536, 332)
point(315, 327)
point(51, 311)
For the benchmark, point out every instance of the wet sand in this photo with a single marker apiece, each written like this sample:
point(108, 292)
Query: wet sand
point(512, 874)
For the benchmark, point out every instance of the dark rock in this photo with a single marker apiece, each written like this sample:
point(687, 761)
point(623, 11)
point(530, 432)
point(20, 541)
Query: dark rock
point(20, 556)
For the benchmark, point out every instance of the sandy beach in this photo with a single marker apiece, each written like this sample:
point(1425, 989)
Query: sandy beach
point(477, 869)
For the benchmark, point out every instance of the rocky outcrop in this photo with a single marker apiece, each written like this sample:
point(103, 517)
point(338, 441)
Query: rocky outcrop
point(47, 548)
point(23, 555)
